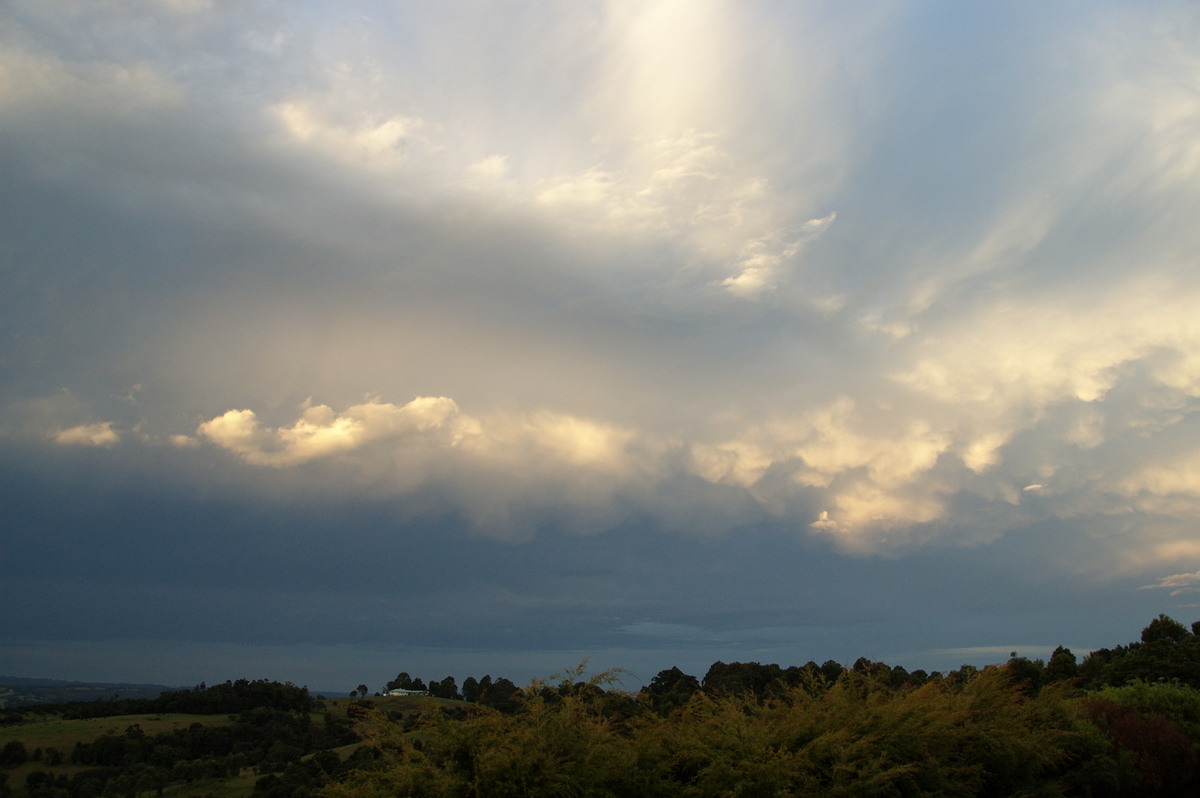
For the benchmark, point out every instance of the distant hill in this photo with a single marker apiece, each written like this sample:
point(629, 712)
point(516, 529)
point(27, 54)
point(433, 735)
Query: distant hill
point(19, 691)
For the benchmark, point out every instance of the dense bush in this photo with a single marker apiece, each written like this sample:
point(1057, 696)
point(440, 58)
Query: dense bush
point(859, 736)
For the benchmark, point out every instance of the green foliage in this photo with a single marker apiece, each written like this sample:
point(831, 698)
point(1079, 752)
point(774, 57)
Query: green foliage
point(1179, 704)
point(1167, 651)
point(860, 736)
point(1062, 666)
point(1025, 674)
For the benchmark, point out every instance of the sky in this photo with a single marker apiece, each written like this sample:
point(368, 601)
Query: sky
point(465, 338)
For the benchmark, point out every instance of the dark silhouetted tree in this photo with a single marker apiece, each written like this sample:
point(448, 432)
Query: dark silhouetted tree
point(670, 689)
point(1164, 628)
point(1061, 667)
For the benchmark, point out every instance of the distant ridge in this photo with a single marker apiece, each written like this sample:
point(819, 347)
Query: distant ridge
point(19, 691)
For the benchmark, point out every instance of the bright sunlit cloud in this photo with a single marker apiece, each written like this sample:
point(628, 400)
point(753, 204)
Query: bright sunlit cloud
point(101, 434)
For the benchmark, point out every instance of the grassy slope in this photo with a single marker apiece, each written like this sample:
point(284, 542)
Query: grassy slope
point(63, 734)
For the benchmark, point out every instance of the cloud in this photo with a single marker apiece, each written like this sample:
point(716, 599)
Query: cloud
point(633, 149)
point(32, 81)
point(666, 630)
point(556, 232)
point(320, 432)
point(662, 389)
point(1177, 584)
point(762, 268)
point(506, 441)
point(99, 434)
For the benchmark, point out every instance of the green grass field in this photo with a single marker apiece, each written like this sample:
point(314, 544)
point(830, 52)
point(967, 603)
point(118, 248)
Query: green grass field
point(63, 734)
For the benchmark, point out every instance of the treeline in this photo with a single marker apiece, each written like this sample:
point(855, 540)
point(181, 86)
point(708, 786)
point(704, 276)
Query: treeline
point(500, 693)
point(858, 736)
point(1125, 721)
point(228, 698)
point(268, 727)
point(1167, 650)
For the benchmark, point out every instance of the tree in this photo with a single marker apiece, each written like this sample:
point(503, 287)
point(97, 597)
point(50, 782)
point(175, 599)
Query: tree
point(670, 689)
point(743, 677)
point(1062, 666)
point(1167, 651)
point(13, 754)
point(500, 694)
point(1025, 674)
point(446, 688)
point(1164, 628)
point(402, 682)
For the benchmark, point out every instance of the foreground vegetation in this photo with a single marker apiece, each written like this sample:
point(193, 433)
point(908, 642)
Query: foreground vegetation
point(856, 737)
point(1125, 721)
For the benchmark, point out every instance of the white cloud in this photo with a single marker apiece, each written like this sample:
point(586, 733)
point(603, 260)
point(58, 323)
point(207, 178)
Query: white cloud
point(824, 523)
point(555, 438)
point(100, 434)
point(320, 432)
point(688, 189)
point(647, 147)
point(767, 260)
point(1177, 583)
point(361, 140)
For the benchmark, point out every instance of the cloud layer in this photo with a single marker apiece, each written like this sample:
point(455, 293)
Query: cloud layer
point(885, 279)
